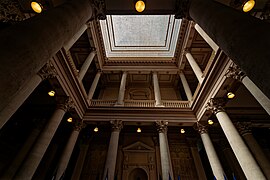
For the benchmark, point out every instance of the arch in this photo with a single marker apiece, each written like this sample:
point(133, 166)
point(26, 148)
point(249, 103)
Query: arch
point(138, 174)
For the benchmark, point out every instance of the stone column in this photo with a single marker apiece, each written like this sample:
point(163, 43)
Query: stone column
point(209, 41)
point(94, 85)
point(47, 71)
point(240, 36)
point(65, 156)
point(186, 86)
point(86, 65)
point(72, 41)
point(26, 46)
point(241, 151)
point(195, 67)
point(121, 94)
point(34, 157)
point(244, 129)
point(164, 149)
point(211, 153)
point(197, 159)
point(236, 73)
point(156, 89)
point(112, 151)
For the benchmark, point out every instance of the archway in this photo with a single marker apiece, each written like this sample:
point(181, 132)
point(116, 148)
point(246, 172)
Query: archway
point(137, 174)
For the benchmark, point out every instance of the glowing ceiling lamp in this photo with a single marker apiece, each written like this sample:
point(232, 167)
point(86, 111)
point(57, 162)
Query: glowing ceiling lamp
point(96, 129)
point(37, 7)
point(69, 120)
point(210, 122)
point(140, 6)
point(51, 93)
point(248, 5)
point(182, 131)
point(230, 95)
point(139, 130)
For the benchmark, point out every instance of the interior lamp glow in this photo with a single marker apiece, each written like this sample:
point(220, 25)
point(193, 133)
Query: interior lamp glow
point(210, 122)
point(37, 7)
point(51, 93)
point(69, 120)
point(248, 5)
point(139, 130)
point(140, 6)
point(96, 129)
point(230, 95)
point(182, 131)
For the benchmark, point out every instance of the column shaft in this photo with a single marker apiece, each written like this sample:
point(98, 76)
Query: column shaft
point(65, 157)
point(257, 93)
point(156, 89)
point(212, 157)
point(72, 41)
point(239, 35)
point(186, 86)
point(94, 85)
point(205, 36)
point(18, 99)
point(195, 67)
point(31, 163)
point(121, 94)
point(241, 151)
point(26, 46)
point(198, 163)
point(80, 162)
point(86, 65)
point(164, 156)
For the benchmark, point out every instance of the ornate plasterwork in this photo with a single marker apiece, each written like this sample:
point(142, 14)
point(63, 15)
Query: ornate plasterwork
point(10, 11)
point(47, 71)
point(117, 125)
point(215, 105)
point(65, 103)
point(162, 126)
point(201, 128)
point(235, 72)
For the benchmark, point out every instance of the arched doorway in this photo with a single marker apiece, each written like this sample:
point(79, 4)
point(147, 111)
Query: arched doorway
point(137, 174)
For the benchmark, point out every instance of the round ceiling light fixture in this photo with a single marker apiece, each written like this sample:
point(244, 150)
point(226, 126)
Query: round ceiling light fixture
point(69, 120)
point(37, 7)
point(140, 6)
point(96, 129)
point(51, 93)
point(230, 95)
point(248, 5)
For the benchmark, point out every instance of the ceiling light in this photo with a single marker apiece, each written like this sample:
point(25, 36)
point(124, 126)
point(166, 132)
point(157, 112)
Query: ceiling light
point(139, 130)
point(96, 129)
point(248, 5)
point(37, 7)
point(230, 95)
point(210, 122)
point(51, 93)
point(69, 119)
point(182, 131)
point(140, 6)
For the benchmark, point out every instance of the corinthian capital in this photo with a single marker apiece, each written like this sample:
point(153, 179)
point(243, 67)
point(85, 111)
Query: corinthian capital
point(215, 105)
point(47, 71)
point(78, 126)
point(65, 103)
point(117, 125)
point(162, 126)
point(235, 72)
point(201, 128)
point(243, 127)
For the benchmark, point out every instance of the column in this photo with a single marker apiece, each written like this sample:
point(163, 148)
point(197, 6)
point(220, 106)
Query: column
point(197, 159)
point(47, 71)
point(164, 149)
point(241, 151)
point(80, 162)
point(121, 94)
point(94, 85)
point(86, 65)
point(240, 36)
point(156, 89)
point(209, 41)
point(27, 46)
point(211, 153)
point(72, 41)
point(236, 73)
point(112, 151)
point(65, 157)
point(195, 67)
point(244, 129)
point(186, 86)
point(34, 157)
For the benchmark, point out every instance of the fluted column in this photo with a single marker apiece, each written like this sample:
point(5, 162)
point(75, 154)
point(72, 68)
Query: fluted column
point(112, 151)
point(121, 94)
point(156, 89)
point(241, 151)
point(34, 157)
point(205, 36)
point(186, 86)
point(47, 71)
point(211, 153)
point(195, 67)
point(236, 73)
point(72, 41)
point(86, 65)
point(244, 129)
point(65, 156)
point(164, 149)
point(94, 85)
